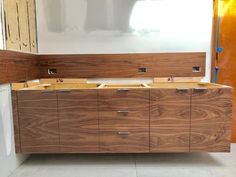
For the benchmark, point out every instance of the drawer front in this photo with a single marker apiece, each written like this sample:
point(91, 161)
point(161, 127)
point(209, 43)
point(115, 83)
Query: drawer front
point(124, 140)
point(123, 118)
point(84, 100)
point(123, 99)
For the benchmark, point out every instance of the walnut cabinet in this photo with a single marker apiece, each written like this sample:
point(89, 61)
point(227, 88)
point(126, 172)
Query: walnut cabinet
point(142, 120)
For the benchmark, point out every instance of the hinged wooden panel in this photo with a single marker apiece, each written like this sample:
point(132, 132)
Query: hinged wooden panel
point(78, 121)
point(211, 118)
point(169, 120)
point(39, 131)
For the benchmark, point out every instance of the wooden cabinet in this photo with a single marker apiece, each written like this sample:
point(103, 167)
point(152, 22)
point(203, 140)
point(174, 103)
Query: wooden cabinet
point(39, 131)
point(124, 120)
point(151, 120)
point(169, 120)
point(211, 111)
point(78, 121)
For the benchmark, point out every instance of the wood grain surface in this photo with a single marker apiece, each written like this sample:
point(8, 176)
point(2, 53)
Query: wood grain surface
point(123, 65)
point(78, 121)
point(39, 131)
point(123, 118)
point(123, 100)
point(211, 118)
point(169, 120)
point(82, 99)
point(17, 67)
point(124, 140)
point(16, 121)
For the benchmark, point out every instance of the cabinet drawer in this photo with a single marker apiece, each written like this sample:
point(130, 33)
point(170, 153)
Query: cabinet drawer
point(123, 99)
point(123, 118)
point(124, 140)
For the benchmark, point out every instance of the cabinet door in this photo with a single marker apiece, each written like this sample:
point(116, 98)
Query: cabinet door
point(169, 120)
point(78, 121)
point(38, 121)
point(211, 120)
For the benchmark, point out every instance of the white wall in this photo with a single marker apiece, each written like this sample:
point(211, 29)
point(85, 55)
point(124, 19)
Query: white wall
point(9, 161)
point(125, 26)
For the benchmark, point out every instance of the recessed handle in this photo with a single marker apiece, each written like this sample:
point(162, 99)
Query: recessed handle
point(200, 89)
point(123, 133)
point(122, 90)
point(122, 112)
point(64, 91)
point(182, 90)
point(47, 91)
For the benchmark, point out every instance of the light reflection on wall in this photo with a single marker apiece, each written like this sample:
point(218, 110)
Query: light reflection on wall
point(125, 26)
point(182, 18)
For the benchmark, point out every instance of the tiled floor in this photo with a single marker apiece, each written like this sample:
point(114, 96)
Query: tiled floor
point(152, 165)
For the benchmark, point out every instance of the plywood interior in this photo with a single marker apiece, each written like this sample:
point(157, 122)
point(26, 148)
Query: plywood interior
point(70, 86)
point(20, 25)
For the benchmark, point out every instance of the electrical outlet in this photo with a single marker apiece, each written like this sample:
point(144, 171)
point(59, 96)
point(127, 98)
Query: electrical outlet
point(142, 70)
point(52, 71)
point(196, 69)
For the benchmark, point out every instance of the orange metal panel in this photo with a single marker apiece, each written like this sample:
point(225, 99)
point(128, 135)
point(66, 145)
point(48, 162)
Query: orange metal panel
point(227, 40)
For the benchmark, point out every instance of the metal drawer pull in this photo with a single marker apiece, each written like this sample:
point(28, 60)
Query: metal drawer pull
point(123, 133)
point(122, 90)
point(47, 91)
point(64, 91)
point(123, 112)
point(182, 89)
point(200, 89)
